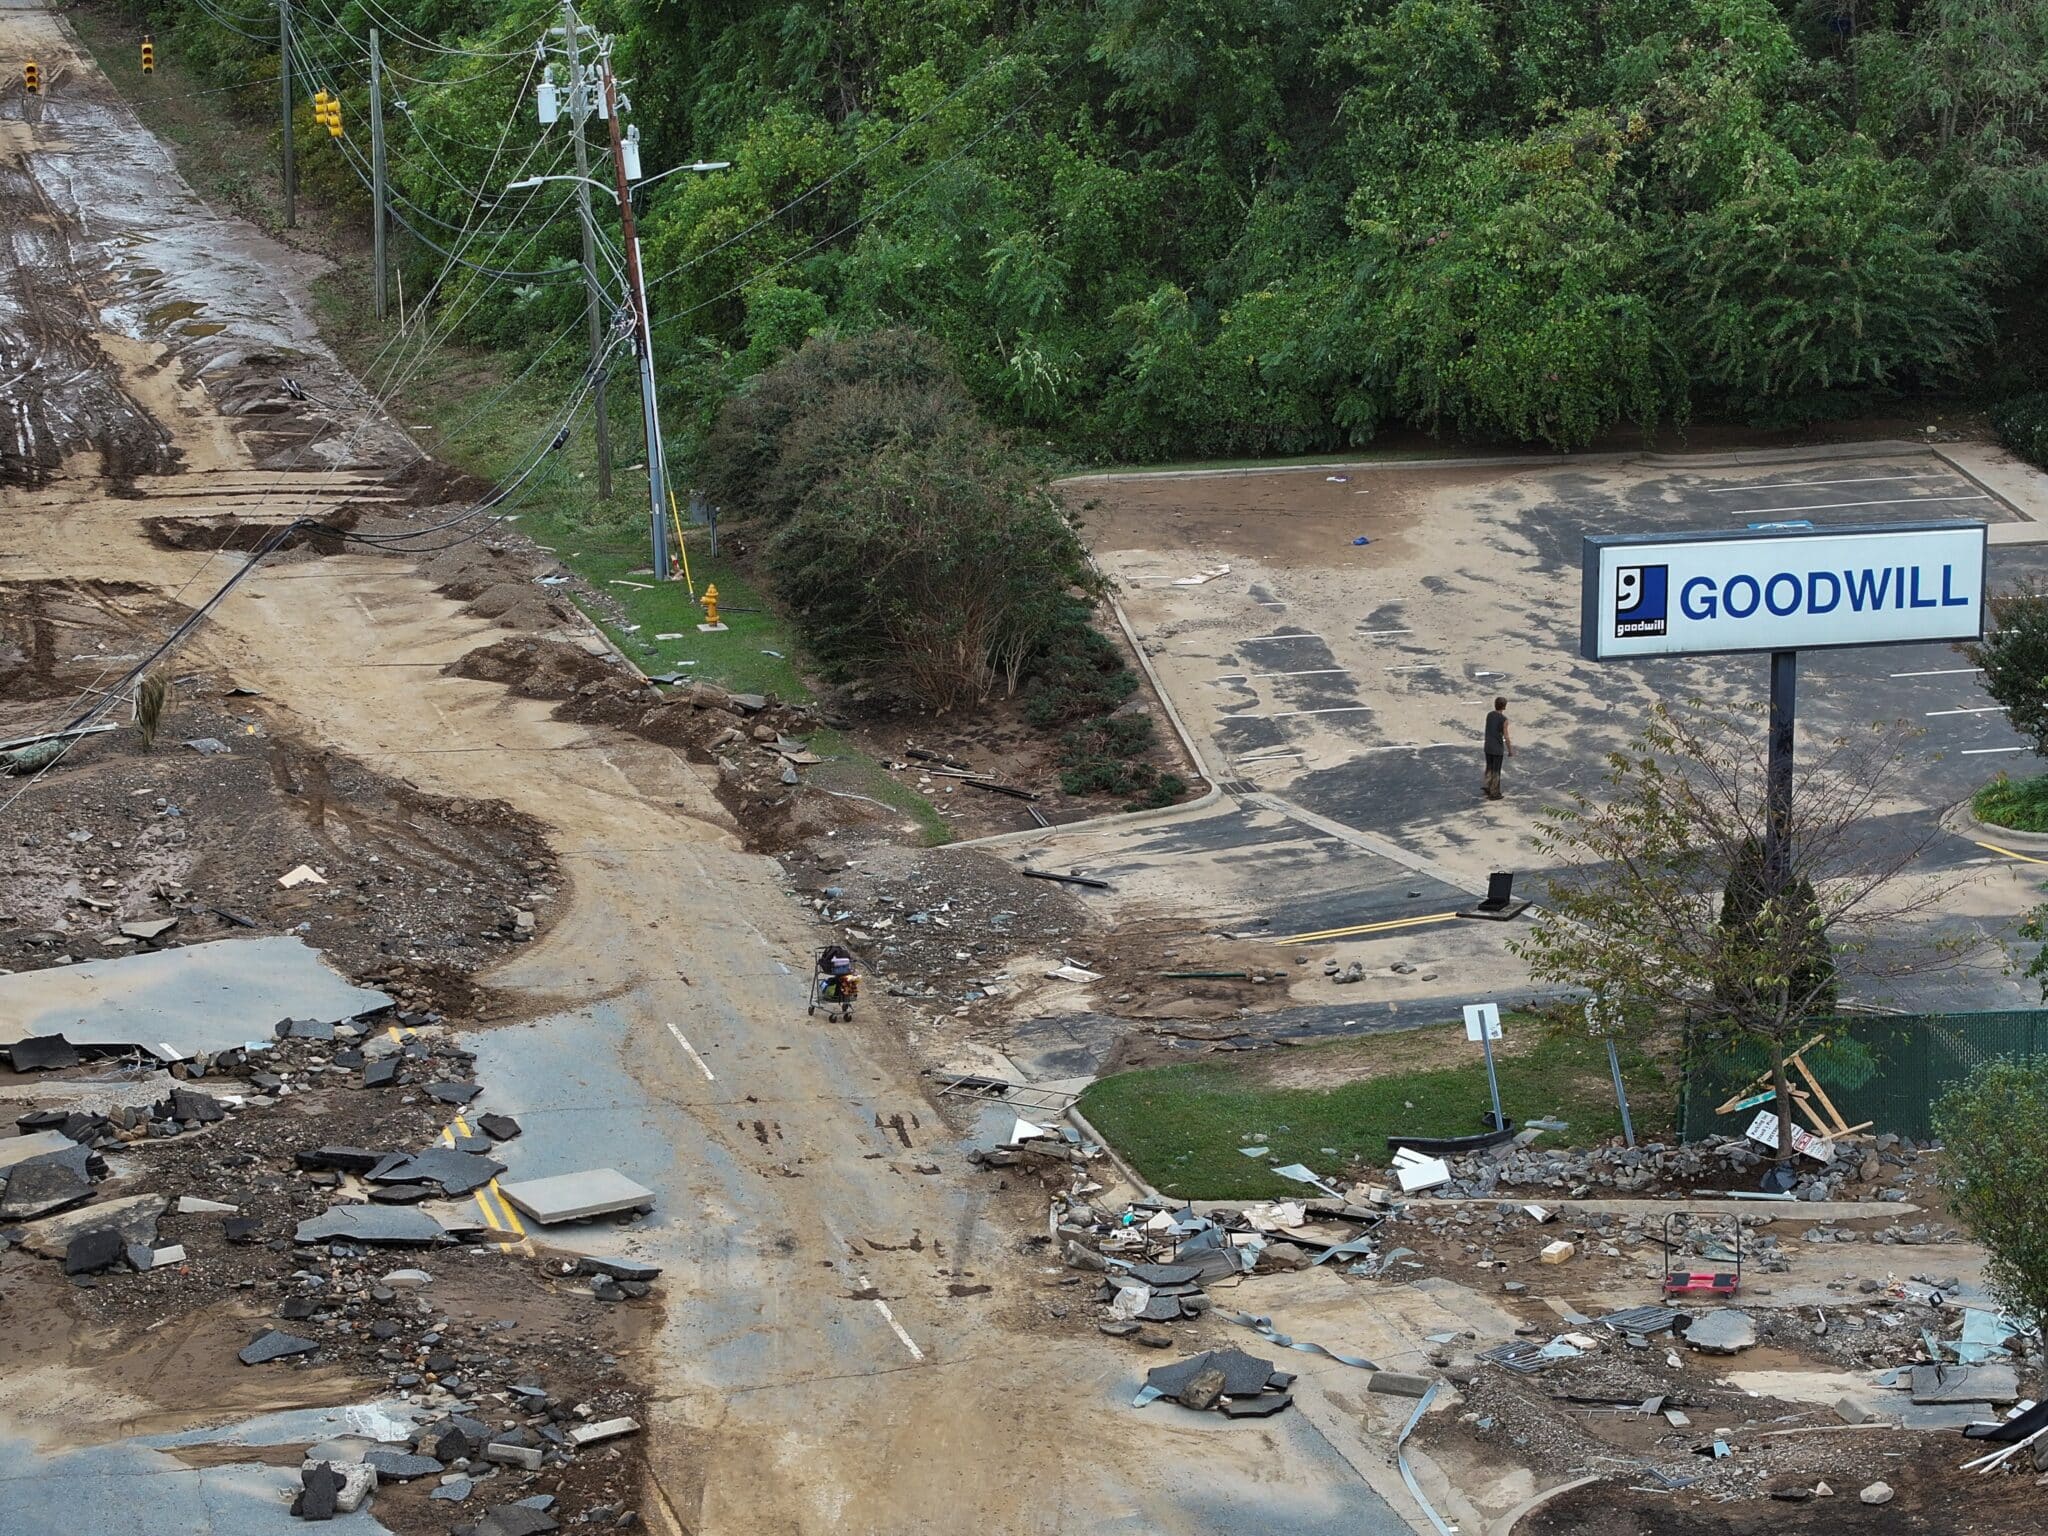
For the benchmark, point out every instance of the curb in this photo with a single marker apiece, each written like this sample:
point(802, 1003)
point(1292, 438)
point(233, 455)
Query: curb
point(1116, 1160)
point(1957, 819)
point(1506, 1524)
point(1722, 459)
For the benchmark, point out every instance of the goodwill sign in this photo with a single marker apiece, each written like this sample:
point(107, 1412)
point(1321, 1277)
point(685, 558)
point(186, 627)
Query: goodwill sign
point(1795, 590)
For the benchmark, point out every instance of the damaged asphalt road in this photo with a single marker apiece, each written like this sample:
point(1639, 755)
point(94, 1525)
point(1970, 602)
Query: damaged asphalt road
point(847, 1341)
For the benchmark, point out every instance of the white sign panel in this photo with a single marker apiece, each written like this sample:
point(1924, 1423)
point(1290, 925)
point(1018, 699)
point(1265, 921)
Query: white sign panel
point(1480, 1016)
point(1764, 1128)
point(1781, 590)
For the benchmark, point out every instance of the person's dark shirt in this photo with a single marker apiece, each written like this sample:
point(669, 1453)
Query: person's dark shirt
point(1497, 732)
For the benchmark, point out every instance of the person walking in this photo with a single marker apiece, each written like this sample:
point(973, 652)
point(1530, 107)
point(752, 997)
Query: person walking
point(1500, 746)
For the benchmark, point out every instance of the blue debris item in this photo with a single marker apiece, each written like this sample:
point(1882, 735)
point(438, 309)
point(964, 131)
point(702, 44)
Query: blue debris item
point(1361, 539)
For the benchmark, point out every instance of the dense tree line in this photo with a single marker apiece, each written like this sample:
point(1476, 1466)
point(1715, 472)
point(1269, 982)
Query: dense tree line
point(1142, 228)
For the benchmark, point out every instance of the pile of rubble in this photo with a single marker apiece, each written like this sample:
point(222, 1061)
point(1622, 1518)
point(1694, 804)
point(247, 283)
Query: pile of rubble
point(1884, 1170)
point(171, 1187)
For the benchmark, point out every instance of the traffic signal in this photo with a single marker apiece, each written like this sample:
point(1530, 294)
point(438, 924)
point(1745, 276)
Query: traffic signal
point(148, 54)
point(32, 78)
point(327, 112)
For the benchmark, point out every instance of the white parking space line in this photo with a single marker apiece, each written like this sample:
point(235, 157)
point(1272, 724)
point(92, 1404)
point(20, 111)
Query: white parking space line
point(1253, 677)
point(1421, 666)
point(1988, 709)
point(1370, 632)
point(1335, 709)
point(1292, 634)
point(1941, 672)
point(1412, 746)
point(1836, 506)
point(1793, 485)
point(1989, 751)
point(692, 1050)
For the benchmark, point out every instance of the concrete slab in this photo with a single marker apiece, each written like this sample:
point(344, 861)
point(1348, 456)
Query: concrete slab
point(203, 997)
point(1965, 1384)
point(577, 1196)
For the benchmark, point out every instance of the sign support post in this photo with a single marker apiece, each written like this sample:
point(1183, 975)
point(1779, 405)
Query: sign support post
point(1482, 1023)
point(1778, 774)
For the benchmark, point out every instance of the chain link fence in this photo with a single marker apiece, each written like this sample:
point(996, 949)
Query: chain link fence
point(1889, 1070)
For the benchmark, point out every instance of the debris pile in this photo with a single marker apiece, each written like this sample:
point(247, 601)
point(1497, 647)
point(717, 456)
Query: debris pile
point(1225, 1381)
point(1884, 1169)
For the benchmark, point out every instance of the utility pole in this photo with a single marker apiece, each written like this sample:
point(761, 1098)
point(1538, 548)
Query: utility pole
point(377, 186)
point(650, 410)
point(284, 102)
point(579, 109)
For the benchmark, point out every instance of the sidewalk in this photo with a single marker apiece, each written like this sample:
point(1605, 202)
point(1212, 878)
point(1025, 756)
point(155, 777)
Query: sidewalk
point(2012, 480)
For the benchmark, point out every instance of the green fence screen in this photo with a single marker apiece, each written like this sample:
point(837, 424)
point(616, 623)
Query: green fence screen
point(1890, 1070)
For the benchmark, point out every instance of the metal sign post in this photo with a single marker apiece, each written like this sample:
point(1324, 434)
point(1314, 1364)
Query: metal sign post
point(1482, 1023)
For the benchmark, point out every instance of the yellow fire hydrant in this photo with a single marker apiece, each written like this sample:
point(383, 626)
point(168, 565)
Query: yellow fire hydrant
point(710, 601)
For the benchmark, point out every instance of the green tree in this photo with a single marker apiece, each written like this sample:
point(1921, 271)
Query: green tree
point(1660, 895)
point(1994, 1134)
point(2014, 657)
point(1800, 296)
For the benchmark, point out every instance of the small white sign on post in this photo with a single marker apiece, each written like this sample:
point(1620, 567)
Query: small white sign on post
point(1482, 1016)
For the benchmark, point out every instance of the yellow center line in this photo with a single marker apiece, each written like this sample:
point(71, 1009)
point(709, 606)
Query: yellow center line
point(2023, 858)
point(497, 1210)
point(1363, 928)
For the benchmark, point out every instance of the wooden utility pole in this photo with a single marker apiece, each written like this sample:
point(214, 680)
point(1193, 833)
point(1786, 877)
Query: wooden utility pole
point(650, 409)
point(284, 102)
point(378, 192)
point(579, 110)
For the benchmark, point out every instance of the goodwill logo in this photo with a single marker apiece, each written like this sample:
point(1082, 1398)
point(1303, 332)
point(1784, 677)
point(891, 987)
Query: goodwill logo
point(1642, 600)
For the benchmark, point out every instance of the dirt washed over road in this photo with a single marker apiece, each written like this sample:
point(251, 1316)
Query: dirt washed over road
point(852, 1342)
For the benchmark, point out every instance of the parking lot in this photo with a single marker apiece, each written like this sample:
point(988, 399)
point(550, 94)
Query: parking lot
point(1335, 638)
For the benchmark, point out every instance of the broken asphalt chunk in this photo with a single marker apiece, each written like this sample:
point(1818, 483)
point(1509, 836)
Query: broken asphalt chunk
point(380, 1074)
point(498, 1127)
point(516, 1520)
point(45, 1184)
point(134, 1217)
point(456, 1172)
point(1725, 1331)
point(453, 1093)
point(371, 1224)
point(42, 1053)
point(1264, 1406)
point(341, 1159)
point(187, 1105)
point(319, 1493)
point(241, 1229)
point(618, 1269)
point(399, 1466)
point(276, 1345)
point(90, 1252)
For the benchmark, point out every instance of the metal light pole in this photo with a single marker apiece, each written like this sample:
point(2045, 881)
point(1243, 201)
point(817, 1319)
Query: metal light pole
point(284, 102)
point(377, 184)
point(579, 110)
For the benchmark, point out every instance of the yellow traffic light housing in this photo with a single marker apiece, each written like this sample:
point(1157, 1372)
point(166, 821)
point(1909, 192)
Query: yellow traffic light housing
point(32, 78)
point(148, 54)
point(327, 112)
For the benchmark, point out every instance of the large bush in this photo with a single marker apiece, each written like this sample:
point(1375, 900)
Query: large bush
point(1994, 1133)
point(2022, 426)
point(916, 549)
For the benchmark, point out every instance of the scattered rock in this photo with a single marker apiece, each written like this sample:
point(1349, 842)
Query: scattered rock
point(1877, 1493)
